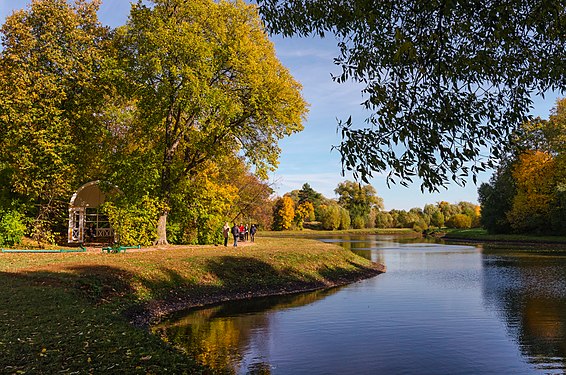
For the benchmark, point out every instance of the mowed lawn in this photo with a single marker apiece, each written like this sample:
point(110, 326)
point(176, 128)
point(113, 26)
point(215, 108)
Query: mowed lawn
point(74, 312)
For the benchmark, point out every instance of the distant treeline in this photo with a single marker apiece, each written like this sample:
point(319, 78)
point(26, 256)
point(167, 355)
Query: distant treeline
point(358, 206)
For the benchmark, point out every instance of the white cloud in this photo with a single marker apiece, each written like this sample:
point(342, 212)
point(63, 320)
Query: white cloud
point(324, 182)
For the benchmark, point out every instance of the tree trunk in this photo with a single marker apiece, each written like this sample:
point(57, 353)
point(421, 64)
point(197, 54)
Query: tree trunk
point(162, 230)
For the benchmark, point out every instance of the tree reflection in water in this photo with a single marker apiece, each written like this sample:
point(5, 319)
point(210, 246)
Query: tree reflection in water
point(528, 289)
point(218, 338)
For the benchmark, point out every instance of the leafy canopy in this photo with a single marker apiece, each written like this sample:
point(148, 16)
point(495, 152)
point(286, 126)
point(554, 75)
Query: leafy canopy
point(528, 192)
point(445, 81)
point(207, 84)
point(155, 106)
point(354, 196)
point(49, 85)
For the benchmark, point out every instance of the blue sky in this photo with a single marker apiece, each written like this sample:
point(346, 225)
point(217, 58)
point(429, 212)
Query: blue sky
point(307, 156)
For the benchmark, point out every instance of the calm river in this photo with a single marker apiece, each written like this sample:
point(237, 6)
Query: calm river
point(439, 309)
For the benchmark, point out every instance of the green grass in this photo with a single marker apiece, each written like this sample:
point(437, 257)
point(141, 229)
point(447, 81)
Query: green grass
point(48, 329)
point(482, 235)
point(72, 313)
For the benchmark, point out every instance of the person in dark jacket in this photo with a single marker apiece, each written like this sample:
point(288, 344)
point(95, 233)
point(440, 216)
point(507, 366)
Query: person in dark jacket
point(253, 229)
point(235, 233)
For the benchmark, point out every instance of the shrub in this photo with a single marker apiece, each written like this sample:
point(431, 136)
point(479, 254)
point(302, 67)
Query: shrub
point(12, 228)
point(437, 219)
point(358, 222)
point(330, 217)
point(283, 213)
point(134, 223)
point(344, 218)
point(459, 221)
point(383, 220)
point(420, 225)
point(304, 212)
point(371, 218)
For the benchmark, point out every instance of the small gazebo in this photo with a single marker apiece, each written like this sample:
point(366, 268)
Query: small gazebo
point(84, 213)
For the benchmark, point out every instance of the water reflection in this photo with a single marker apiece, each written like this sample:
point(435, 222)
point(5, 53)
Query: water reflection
point(231, 338)
point(439, 309)
point(528, 289)
point(374, 247)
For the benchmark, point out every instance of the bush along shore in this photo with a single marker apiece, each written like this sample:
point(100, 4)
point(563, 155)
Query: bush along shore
point(88, 312)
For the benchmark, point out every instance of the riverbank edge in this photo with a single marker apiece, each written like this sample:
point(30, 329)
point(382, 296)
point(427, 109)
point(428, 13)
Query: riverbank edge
point(479, 237)
point(149, 314)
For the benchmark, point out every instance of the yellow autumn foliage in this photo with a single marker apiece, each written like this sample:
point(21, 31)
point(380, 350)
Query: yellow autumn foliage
point(534, 175)
point(284, 213)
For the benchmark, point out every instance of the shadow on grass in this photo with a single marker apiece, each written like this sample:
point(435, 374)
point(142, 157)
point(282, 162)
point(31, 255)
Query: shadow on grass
point(245, 274)
point(55, 322)
point(225, 278)
point(96, 283)
point(218, 279)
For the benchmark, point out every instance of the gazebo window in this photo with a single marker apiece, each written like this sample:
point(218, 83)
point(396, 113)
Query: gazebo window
point(99, 221)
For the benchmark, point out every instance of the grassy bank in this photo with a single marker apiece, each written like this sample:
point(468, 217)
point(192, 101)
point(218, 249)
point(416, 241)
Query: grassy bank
point(481, 235)
point(398, 232)
point(73, 313)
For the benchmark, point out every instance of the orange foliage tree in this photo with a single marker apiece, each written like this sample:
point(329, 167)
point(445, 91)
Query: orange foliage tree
point(528, 192)
point(535, 177)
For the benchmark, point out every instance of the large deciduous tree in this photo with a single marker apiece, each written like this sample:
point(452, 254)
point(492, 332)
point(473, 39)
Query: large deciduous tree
point(207, 84)
point(252, 202)
point(534, 173)
point(50, 86)
point(304, 212)
point(445, 81)
point(219, 192)
point(358, 200)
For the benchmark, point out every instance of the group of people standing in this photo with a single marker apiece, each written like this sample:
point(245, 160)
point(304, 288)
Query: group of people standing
point(239, 232)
